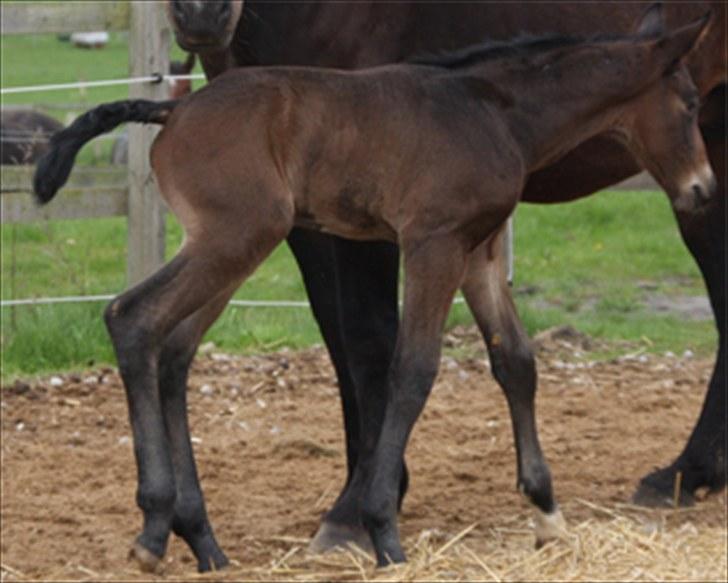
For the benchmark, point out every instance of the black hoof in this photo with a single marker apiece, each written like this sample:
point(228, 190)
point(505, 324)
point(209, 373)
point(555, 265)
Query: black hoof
point(659, 497)
point(216, 562)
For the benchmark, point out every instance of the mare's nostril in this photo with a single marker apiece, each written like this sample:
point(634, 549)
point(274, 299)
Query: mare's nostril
point(699, 192)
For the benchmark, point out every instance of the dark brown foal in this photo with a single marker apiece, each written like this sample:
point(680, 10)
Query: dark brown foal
point(432, 156)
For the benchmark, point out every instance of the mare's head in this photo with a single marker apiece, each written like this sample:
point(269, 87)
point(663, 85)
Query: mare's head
point(204, 25)
point(660, 125)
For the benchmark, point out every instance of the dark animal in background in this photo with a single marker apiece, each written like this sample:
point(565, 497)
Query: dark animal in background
point(352, 285)
point(432, 156)
point(24, 135)
point(177, 88)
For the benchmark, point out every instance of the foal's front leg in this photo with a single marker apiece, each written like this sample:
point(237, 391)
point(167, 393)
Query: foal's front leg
point(486, 290)
point(433, 271)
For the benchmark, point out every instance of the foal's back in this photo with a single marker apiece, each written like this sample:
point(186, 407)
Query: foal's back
point(357, 153)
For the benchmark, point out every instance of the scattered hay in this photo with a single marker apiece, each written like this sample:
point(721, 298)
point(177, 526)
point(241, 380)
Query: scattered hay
point(622, 543)
point(626, 544)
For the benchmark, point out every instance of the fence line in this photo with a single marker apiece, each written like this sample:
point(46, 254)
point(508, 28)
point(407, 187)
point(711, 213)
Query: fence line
point(109, 297)
point(154, 79)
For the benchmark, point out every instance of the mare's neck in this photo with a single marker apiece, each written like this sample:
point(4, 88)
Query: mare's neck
point(216, 63)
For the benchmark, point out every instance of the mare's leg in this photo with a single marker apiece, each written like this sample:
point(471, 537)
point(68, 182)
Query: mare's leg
point(140, 320)
point(703, 461)
point(190, 520)
point(367, 295)
point(487, 293)
point(433, 271)
point(314, 254)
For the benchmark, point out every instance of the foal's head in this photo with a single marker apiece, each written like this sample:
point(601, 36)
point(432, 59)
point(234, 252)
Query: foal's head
point(204, 25)
point(660, 126)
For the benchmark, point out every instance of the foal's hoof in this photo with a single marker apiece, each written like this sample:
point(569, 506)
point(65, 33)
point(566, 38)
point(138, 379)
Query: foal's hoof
point(549, 527)
point(147, 560)
point(332, 536)
point(651, 497)
point(217, 562)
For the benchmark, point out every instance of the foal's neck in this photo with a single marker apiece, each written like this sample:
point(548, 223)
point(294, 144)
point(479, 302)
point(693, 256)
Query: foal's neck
point(563, 99)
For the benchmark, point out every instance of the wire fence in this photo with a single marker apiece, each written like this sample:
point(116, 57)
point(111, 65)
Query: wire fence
point(109, 297)
point(156, 78)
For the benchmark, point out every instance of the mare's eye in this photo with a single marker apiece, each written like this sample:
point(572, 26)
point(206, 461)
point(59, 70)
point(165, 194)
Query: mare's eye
point(692, 105)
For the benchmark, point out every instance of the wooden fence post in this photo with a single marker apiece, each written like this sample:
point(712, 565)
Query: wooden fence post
point(149, 36)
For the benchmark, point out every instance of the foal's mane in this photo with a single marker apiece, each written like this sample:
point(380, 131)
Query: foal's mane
point(524, 46)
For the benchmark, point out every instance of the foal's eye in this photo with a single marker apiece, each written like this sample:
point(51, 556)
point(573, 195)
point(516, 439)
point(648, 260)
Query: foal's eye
point(692, 105)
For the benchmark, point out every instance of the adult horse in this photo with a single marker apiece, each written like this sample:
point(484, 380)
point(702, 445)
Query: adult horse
point(353, 286)
point(438, 172)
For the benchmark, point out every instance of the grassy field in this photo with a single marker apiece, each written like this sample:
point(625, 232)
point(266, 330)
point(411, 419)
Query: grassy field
point(589, 264)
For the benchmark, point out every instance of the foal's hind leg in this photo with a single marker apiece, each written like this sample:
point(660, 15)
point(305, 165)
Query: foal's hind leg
point(139, 322)
point(190, 520)
point(486, 291)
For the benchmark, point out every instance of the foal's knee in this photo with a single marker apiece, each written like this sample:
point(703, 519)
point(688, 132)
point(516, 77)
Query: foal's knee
point(131, 342)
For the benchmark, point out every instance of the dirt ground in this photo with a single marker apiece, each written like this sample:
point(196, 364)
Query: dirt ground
point(269, 444)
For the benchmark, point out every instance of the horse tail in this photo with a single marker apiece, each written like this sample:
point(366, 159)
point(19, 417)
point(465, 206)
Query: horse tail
point(55, 165)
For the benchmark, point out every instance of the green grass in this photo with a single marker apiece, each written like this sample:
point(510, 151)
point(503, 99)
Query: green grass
point(585, 258)
point(29, 60)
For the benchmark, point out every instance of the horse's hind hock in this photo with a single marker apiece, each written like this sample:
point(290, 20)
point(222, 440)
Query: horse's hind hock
point(549, 526)
point(331, 536)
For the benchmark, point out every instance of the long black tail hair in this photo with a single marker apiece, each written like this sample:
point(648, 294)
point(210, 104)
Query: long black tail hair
point(53, 168)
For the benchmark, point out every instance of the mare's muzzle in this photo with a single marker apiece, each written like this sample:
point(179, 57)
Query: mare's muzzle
point(202, 25)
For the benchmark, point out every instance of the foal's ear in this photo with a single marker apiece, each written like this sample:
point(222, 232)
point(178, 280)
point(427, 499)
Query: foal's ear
point(652, 22)
point(677, 44)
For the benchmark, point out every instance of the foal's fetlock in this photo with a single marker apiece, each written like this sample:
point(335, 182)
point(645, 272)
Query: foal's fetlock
point(537, 488)
point(549, 522)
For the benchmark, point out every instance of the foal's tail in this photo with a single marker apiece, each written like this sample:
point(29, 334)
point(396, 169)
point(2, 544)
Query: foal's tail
point(53, 168)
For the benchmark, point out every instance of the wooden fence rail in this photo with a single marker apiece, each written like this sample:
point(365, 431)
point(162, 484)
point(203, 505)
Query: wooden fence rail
point(89, 193)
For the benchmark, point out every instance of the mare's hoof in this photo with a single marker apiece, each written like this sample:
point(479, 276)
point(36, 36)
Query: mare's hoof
point(652, 497)
point(147, 560)
point(549, 527)
point(332, 536)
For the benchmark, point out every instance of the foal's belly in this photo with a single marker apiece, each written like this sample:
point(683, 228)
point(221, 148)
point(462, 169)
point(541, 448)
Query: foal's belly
point(352, 225)
point(347, 207)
